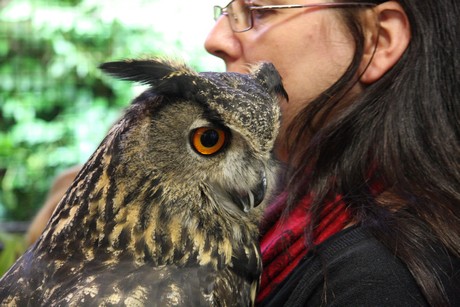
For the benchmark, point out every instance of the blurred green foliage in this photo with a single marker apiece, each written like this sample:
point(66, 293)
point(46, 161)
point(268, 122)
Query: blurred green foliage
point(55, 105)
point(11, 247)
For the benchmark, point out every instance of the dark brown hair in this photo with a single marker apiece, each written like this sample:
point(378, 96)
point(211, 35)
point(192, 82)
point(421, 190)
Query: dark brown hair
point(403, 131)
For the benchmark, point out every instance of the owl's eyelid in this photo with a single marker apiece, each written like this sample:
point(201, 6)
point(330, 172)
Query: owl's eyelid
point(200, 123)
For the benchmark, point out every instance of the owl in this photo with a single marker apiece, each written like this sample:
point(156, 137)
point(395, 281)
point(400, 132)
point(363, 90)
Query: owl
point(166, 210)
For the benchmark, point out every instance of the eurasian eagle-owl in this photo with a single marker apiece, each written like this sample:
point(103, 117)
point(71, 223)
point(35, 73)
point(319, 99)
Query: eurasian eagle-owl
point(164, 212)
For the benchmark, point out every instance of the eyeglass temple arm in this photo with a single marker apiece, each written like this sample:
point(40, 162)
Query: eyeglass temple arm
point(297, 6)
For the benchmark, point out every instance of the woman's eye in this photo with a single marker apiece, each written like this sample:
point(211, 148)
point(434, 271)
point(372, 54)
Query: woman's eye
point(207, 141)
point(260, 14)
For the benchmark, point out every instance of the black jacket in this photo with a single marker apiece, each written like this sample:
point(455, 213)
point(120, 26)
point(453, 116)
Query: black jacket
point(353, 268)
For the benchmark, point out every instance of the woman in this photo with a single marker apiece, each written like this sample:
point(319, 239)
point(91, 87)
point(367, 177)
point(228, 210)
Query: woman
point(370, 213)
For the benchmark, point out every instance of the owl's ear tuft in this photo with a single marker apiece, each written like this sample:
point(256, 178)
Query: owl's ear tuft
point(268, 76)
point(165, 76)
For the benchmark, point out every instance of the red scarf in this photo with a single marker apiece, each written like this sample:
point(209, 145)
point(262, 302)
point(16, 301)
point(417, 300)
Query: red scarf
point(284, 243)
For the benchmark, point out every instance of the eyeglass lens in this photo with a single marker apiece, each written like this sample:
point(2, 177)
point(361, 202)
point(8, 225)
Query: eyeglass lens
point(238, 13)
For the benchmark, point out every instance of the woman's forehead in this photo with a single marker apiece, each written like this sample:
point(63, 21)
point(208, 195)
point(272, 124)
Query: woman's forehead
point(281, 2)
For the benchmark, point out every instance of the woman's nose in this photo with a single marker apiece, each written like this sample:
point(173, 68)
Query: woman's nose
point(222, 42)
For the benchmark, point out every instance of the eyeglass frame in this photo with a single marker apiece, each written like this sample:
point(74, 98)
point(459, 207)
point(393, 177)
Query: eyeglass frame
point(223, 11)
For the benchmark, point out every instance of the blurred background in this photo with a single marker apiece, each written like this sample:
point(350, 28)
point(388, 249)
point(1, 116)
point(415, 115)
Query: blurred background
point(55, 105)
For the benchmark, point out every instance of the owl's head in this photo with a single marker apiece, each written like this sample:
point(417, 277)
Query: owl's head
point(201, 135)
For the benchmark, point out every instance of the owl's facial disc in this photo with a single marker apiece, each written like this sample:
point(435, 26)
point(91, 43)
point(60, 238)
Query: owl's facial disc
point(249, 199)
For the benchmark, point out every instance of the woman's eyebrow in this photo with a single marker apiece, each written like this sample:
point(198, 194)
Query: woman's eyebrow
point(266, 2)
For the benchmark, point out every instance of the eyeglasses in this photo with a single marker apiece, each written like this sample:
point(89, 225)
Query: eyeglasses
point(241, 16)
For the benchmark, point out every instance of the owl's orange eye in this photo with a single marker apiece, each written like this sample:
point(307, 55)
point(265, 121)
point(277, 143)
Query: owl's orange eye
point(207, 140)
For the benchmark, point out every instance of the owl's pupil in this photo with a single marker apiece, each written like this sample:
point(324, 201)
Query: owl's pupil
point(209, 138)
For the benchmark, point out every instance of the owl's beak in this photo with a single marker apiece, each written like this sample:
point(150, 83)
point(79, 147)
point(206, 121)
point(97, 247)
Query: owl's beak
point(248, 200)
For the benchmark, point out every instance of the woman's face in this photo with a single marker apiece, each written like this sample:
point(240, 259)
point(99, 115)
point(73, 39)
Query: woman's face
point(309, 46)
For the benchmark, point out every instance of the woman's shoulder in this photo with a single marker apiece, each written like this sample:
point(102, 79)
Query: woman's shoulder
point(352, 268)
point(357, 269)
